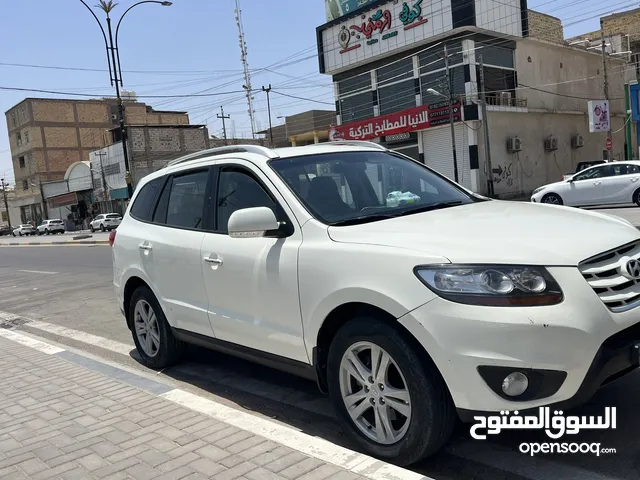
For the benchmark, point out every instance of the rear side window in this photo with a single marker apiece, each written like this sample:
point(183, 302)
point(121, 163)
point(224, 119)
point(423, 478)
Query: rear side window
point(141, 208)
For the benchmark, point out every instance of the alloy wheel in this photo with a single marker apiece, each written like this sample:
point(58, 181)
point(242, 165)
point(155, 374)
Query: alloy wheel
point(551, 199)
point(375, 393)
point(146, 328)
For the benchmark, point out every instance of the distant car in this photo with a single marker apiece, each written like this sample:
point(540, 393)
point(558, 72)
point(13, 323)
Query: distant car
point(51, 226)
point(615, 183)
point(5, 230)
point(24, 229)
point(581, 166)
point(105, 221)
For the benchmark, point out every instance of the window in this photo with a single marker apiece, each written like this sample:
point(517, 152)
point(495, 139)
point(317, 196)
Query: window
point(433, 59)
point(141, 208)
point(21, 162)
point(397, 97)
point(359, 185)
point(496, 56)
point(237, 189)
point(25, 185)
point(112, 215)
point(186, 200)
point(357, 84)
point(595, 172)
point(26, 137)
point(19, 139)
point(356, 107)
point(395, 72)
point(438, 82)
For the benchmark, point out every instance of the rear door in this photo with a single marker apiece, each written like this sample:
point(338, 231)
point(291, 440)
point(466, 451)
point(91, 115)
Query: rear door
point(170, 250)
point(620, 185)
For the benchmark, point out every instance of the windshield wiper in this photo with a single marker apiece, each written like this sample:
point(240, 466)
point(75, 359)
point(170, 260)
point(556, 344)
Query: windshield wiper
point(434, 206)
point(360, 220)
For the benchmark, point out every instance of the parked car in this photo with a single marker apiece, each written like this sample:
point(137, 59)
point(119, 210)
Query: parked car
point(615, 183)
point(51, 226)
point(581, 166)
point(5, 230)
point(405, 296)
point(25, 229)
point(105, 221)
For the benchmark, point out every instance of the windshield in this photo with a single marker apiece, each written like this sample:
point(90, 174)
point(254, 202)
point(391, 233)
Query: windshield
point(356, 187)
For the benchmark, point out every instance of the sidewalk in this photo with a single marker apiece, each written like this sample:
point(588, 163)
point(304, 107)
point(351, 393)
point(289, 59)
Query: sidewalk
point(87, 238)
point(67, 416)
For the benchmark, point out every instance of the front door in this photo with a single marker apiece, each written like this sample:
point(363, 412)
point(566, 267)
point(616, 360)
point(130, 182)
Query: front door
point(585, 187)
point(252, 283)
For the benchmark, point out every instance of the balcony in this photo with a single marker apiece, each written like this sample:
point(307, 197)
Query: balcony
point(506, 101)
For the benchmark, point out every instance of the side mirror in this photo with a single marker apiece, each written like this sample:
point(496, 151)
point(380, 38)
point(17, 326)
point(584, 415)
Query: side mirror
point(252, 222)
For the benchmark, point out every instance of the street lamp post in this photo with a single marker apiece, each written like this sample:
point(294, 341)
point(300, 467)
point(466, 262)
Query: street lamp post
point(115, 73)
point(268, 91)
point(453, 131)
point(6, 202)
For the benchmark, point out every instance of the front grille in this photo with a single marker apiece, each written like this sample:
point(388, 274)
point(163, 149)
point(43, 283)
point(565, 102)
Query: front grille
point(603, 274)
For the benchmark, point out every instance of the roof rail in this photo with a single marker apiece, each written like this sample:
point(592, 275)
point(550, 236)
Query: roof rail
point(264, 151)
point(358, 143)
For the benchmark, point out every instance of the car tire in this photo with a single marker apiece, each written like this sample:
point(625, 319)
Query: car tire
point(46, 232)
point(92, 229)
point(20, 233)
point(636, 197)
point(552, 199)
point(169, 350)
point(431, 413)
point(102, 227)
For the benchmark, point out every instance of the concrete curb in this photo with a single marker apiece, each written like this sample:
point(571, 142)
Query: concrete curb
point(54, 244)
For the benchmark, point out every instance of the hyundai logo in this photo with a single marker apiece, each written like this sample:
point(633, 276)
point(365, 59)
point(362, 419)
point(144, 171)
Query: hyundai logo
point(633, 268)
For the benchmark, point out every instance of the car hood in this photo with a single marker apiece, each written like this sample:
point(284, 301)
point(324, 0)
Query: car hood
point(555, 184)
point(498, 232)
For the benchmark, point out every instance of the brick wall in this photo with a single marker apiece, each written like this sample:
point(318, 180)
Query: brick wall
point(93, 112)
point(18, 116)
point(194, 140)
point(623, 23)
point(164, 140)
point(92, 137)
point(57, 137)
point(545, 27)
point(59, 160)
point(136, 139)
point(50, 111)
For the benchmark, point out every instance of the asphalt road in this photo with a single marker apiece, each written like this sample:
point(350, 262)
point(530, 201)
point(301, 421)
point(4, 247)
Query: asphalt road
point(70, 287)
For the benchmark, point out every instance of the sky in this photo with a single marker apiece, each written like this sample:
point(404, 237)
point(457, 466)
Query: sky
point(190, 47)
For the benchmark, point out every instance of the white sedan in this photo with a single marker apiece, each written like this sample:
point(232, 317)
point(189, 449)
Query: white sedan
point(24, 229)
point(612, 183)
point(105, 221)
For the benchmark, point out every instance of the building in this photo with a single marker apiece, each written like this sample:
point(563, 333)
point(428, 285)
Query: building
point(47, 136)
point(393, 86)
point(221, 142)
point(302, 129)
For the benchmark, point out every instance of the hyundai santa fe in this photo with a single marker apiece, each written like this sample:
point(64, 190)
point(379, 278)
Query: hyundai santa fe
point(409, 299)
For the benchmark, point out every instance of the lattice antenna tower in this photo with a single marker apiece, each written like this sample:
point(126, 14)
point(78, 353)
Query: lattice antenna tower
point(245, 66)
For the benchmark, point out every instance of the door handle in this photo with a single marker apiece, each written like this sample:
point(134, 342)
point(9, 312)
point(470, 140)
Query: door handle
point(213, 261)
point(634, 179)
point(597, 183)
point(144, 247)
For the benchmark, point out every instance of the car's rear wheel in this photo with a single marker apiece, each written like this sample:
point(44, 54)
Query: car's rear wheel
point(20, 233)
point(46, 231)
point(636, 197)
point(552, 199)
point(151, 332)
point(391, 399)
point(102, 227)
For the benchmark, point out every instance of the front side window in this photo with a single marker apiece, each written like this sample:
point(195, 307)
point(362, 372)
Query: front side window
point(595, 172)
point(186, 200)
point(237, 189)
point(356, 187)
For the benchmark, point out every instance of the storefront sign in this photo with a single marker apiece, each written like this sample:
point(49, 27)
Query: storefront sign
point(410, 120)
point(599, 119)
point(63, 200)
point(338, 8)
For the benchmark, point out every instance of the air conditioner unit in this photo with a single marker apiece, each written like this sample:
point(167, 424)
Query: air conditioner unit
point(551, 144)
point(505, 98)
point(514, 144)
point(577, 141)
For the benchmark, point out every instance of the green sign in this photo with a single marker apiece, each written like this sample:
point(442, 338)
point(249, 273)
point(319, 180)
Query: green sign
point(338, 8)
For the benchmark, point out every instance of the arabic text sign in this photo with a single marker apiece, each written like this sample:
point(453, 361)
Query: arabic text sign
point(555, 426)
point(412, 119)
point(599, 117)
point(338, 8)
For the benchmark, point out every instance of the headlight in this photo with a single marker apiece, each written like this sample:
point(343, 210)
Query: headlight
point(492, 285)
point(538, 190)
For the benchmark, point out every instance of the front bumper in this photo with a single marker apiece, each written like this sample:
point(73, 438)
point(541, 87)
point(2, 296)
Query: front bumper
point(579, 337)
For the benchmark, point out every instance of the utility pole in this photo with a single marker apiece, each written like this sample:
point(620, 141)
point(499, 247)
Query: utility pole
point(6, 202)
point(606, 84)
point(268, 90)
point(105, 194)
point(45, 210)
point(453, 131)
point(224, 125)
point(485, 127)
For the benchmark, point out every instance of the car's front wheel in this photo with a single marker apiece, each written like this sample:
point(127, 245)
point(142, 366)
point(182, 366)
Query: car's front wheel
point(552, 198)
point(102, 227)
point(152, 334)
point(391, 399)
point(92, 229)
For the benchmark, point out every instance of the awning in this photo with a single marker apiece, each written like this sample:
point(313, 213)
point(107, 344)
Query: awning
point(63, 200)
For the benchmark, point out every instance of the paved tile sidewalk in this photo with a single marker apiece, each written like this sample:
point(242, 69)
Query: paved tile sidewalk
point(59, 420)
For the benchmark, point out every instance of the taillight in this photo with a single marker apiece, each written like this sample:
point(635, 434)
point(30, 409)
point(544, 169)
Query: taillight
point(112, 237)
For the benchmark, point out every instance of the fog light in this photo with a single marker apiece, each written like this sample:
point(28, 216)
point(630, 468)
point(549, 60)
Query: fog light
point(515, 384)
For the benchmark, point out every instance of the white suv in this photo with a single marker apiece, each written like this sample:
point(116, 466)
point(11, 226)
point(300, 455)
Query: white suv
point(105, 221)
point(51, 226)
point(408, 298)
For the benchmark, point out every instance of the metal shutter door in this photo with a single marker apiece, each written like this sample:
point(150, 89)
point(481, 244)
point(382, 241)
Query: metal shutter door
point(436, 144)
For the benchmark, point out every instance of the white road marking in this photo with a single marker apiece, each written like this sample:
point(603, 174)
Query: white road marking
point(313, 446)
point(30, 342)
point(38, 272)
point(96, 341)
point(7, 317)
